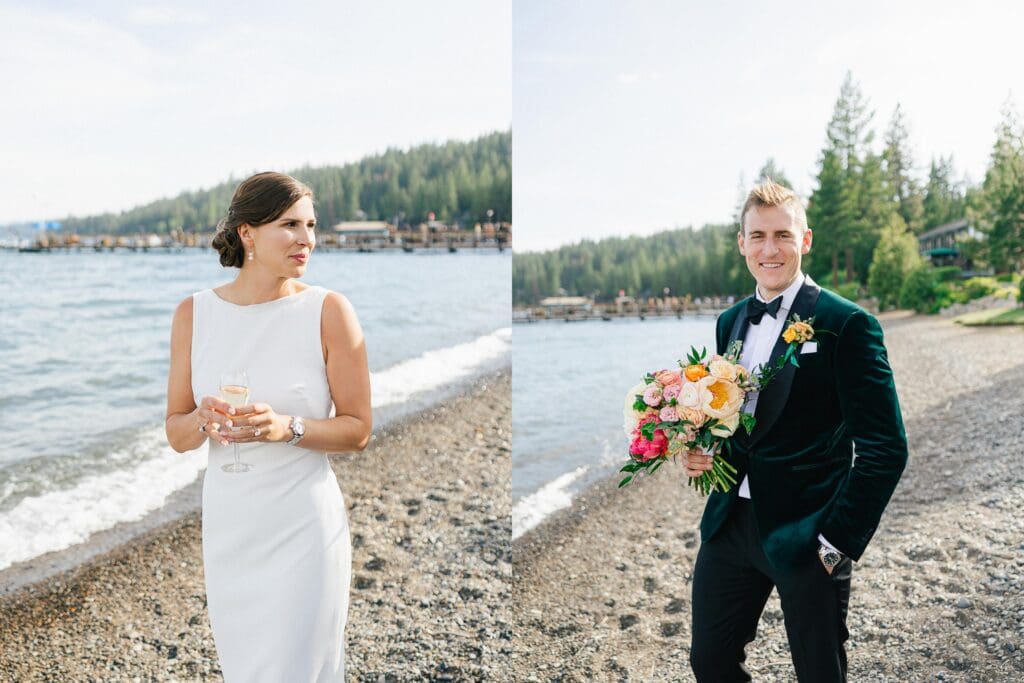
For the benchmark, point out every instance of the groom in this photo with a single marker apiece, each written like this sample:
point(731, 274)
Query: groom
point(817, 471)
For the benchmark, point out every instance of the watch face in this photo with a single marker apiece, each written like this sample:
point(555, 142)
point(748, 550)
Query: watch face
point(300, 427)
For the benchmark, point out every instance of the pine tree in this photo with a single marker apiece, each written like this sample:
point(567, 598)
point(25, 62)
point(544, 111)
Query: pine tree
point(835, 208)
point(899, 166)
point(943, 197)
point(1002, 207)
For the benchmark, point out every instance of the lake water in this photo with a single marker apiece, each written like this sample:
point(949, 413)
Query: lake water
point(568, 384)
point(84, 343)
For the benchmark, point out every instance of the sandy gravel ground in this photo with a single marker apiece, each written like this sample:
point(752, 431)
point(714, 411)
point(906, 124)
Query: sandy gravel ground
point(602, 592)
point(429, 507)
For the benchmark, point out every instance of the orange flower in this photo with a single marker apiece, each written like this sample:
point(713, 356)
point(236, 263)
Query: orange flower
point(695, 372)
point(798, 331)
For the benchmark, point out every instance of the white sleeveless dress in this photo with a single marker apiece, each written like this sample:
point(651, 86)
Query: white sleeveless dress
point(276, 547)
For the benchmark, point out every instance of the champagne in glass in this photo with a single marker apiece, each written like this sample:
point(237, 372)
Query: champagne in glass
point(234, 389)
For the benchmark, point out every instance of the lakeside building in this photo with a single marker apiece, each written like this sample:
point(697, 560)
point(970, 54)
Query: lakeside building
point(941, 244)
point(566, 305)
point(364, 233)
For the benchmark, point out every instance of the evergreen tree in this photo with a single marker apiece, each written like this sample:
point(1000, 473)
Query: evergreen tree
point(1002, 202)
point(899, 166)
point(835, 209)
point(943, 198)
point(771, 170)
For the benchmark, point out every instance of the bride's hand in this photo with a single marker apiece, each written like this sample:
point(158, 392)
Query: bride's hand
point(258, 422)
point(214, 417)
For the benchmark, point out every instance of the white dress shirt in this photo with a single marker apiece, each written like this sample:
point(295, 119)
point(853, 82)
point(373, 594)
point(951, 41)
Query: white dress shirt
point(757, 350)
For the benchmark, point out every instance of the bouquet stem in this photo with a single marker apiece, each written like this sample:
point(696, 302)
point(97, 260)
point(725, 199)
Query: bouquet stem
point(721, 478)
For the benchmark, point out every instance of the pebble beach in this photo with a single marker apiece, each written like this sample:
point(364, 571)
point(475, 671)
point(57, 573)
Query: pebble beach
point(429, 508)
point(602, 589)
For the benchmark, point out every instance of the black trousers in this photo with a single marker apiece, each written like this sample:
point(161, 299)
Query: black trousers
point(731, 584)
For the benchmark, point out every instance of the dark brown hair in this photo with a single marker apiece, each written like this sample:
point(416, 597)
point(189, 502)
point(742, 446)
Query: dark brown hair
point(258, 200)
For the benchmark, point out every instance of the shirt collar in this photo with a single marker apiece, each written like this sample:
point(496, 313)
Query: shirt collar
point(788, 295)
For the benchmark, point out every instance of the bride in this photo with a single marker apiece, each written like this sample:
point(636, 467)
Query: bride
point(276, 550)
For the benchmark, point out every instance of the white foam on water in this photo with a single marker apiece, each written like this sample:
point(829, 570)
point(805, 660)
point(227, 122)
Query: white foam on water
point(553, 496)
point(433, 369)
point(60, 519)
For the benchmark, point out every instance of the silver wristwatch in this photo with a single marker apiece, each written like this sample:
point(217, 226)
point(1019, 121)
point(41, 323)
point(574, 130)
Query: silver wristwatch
point(298, 428)
point(829, 557)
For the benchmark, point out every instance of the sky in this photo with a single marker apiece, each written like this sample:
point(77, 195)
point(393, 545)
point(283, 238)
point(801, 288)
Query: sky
point(630, 118)
point(110, 105)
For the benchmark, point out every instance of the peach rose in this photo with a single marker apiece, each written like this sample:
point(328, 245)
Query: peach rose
point(723, 369)
point(667, 378)
point(726, 426)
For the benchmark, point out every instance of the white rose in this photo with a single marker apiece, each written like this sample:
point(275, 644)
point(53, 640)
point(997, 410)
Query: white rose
point(689, 395)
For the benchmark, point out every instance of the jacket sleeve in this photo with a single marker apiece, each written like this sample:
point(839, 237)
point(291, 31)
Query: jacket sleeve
point(720, 334)
point(871, 414)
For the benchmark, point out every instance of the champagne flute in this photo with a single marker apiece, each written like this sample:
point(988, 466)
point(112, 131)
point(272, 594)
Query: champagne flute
point(234, 389)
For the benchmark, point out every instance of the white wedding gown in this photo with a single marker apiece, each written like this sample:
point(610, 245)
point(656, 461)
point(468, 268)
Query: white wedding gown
point(276, 547)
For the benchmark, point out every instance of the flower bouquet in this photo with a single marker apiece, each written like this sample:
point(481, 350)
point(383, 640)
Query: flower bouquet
point(699, 406)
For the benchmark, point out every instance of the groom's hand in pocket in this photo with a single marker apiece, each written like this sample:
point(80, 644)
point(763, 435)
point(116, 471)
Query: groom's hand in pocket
point(697, 463)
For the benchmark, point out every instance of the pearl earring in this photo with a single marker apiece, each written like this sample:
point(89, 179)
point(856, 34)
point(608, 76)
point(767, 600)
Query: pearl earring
point(250, 255)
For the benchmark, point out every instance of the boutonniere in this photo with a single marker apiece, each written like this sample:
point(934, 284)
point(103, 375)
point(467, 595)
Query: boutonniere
point(796, 333)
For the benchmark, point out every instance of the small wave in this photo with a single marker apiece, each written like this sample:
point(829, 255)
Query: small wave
point(553, 496)
point(60, 519)
point(433, 369)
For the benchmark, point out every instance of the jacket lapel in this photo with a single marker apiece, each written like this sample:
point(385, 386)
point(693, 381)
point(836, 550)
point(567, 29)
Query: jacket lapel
point(773, 399)
point(739, 326)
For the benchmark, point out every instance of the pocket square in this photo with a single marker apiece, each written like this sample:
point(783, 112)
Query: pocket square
point(809, 347)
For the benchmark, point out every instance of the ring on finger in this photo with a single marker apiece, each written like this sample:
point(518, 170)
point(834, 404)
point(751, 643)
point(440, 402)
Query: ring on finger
point(256, 432)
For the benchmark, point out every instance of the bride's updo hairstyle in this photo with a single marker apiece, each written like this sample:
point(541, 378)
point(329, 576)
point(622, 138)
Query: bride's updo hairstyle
point(259, 199)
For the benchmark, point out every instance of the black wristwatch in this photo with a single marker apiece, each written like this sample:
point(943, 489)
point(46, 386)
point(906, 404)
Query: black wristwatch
point(829, 557)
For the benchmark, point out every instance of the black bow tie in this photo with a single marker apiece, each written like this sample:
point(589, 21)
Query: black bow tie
point(757, 308)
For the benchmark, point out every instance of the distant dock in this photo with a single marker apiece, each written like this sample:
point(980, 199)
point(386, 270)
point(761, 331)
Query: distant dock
point(582, 309)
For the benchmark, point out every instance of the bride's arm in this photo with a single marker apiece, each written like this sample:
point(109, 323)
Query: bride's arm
point(349, 379)
point(183, 417)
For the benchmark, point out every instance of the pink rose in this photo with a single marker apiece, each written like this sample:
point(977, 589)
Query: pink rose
point(667, 378)
point(669, 414)
point(652, 395)
point(672, 391)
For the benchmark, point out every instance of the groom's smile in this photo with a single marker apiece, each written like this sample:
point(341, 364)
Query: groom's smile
point(772, 243)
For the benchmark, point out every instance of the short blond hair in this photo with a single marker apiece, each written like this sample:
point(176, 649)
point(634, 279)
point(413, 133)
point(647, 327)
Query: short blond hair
point(770, 193)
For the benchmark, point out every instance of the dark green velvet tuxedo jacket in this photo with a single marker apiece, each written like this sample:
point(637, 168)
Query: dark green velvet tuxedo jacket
point(810, 421)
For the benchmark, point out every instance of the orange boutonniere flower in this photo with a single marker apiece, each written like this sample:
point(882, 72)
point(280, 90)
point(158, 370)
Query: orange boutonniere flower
point(799, 331)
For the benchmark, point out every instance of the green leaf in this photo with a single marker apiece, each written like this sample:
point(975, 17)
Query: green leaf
point(639, 404)
point(656, 466)
point(748, 421)
point(625, 481)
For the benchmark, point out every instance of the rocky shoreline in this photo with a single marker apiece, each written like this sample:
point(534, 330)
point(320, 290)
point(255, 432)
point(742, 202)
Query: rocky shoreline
point(429, 507)
point(602, 590)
